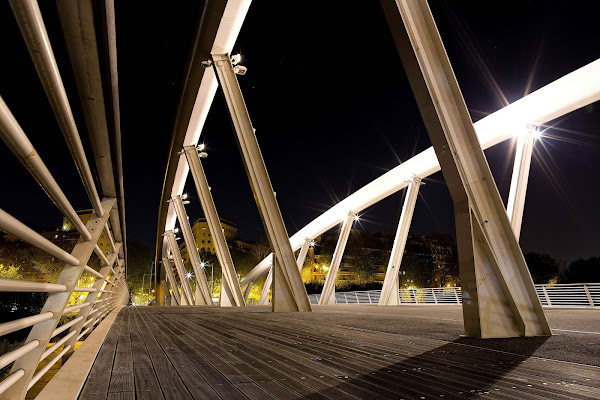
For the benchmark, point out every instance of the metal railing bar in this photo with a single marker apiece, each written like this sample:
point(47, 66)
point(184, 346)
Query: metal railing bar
point(16, 140)
point(92, 271)
point(87, 322)
point(14, 285)
point(75, 307)
point(43, 371)
point(32, 27)
point(56, 345)
point(22, 323)
point(111, 240)
point(84, 289)
point(13, 355)
point(100, 254)
point(11, 380)
point(82, 334)
point(66, 326)
point(10, 224)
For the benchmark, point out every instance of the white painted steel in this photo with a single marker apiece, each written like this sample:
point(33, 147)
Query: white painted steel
point(290, 291)
point(11, 356)
point(11, 380)
point(558, 295)
point(390, 283)
point(22, 323)
point(100, 254)
point(572, 91)
point(520, 177)
point(56, 345)
point(328, 293)
point(15, 227)
point(16, 140)
point(93, 272)
point(185, 284)
point(171, 280)
point(14, 285)
point(203, 294)
point(43, 371)
point(29, 18)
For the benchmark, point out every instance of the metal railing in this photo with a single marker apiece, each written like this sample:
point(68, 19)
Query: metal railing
point(559, 295)
point(51, 334)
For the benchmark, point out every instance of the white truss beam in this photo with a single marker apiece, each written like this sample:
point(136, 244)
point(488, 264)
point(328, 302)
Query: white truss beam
point(390, 290)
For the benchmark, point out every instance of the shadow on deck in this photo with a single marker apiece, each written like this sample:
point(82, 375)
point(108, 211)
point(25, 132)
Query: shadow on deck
point(214, 353)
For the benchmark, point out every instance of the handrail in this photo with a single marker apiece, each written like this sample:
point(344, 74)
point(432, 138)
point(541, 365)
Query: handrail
point(22, 323)
point(16, 140)
point(14, 285)
point(557, 295)
point(16, 228)
point(34, 32)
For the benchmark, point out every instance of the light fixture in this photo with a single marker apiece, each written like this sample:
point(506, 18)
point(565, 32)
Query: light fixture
point(235, 59)
point(184, 196)
point(356, 217)
point(312, 243)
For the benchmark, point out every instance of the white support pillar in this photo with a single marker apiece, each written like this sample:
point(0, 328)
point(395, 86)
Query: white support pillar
point(328, 293)
point(520, 177)
point(171, 281)
point(56, 302)
point(264, 295)
point(203, 295)
point(389, 291)
point(499, 298)
point(231, 294)
point(186, 290)
point(292, 293)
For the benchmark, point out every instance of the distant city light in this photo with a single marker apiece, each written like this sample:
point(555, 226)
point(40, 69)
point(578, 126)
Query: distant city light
point(202, 264)
point(188, 275)
point(312, 244)
point(356, 217)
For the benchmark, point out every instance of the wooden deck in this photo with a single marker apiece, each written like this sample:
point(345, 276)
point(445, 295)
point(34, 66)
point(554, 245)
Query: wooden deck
point(214, 353)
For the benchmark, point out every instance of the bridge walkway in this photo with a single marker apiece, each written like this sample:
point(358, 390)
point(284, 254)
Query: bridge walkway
point(212, 353)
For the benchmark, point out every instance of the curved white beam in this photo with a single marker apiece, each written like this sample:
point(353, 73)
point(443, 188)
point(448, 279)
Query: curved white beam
point(572, 91)
point(229, 29)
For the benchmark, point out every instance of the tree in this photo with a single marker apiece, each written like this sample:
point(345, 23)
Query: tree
point(139, 262)
point(542, 267)
point(583, 271)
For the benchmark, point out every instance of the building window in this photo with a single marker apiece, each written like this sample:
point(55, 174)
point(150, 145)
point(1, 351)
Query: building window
point(101, 244)
point(209, 241)
point(203, 227)
point(203, 241)
point(203, 234)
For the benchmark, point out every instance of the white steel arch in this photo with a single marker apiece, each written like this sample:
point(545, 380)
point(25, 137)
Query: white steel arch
point(573, 91)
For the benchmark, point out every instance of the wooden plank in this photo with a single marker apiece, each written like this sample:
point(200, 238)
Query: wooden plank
point(121, 380)
point(170, 383)
point(194, 381)
point(146, 382)
point(96, 386)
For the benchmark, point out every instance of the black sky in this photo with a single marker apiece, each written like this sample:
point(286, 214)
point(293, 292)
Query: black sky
point(333, 110)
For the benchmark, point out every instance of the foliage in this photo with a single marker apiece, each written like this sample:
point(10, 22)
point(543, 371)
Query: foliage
point(139, 262)
point(10, 272)
point(583, 271)
point(542, 267)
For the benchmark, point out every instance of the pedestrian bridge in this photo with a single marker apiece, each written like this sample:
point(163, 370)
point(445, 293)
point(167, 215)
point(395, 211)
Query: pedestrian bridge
point(499, 341)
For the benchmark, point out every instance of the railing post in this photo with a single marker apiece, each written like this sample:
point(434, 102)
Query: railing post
point(230, 287)
point(185, 284)
point(292, 293)
point(391, 281)
point(328, 292)
point(203, 295)
point(264, 295)
point(90, 298)
point(434, 297)
point(589, 296)
point(546, 295)
point(57, 302)
point(171, 281)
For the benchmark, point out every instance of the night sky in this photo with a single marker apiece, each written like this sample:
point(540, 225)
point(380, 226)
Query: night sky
point(333, 110)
